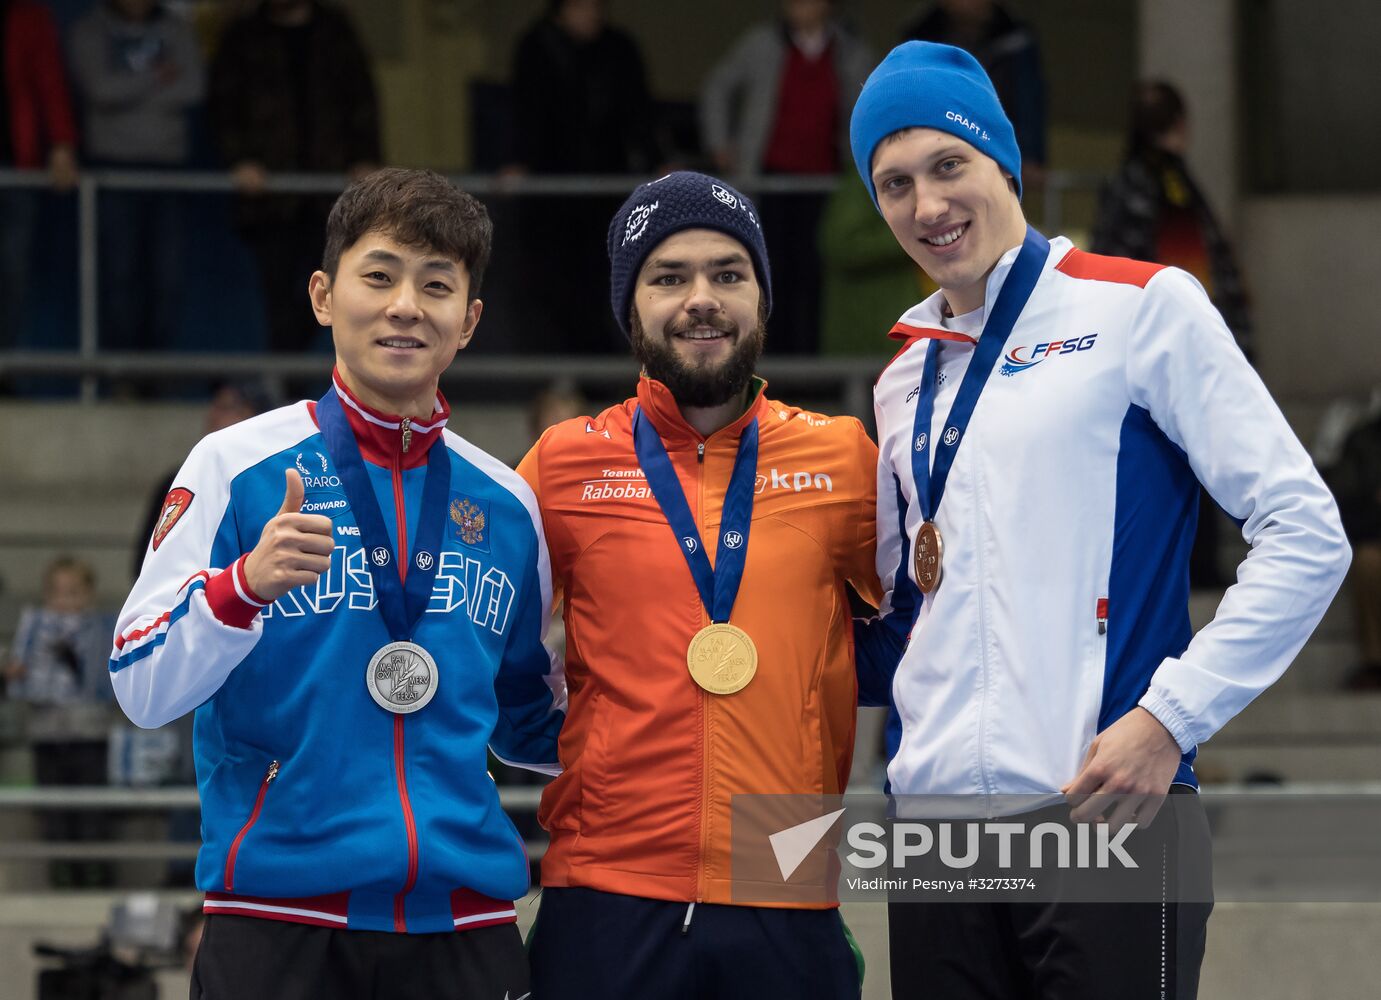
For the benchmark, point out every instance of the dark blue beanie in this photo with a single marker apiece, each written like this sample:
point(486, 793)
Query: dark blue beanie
point(928, 85)
point(670, 204)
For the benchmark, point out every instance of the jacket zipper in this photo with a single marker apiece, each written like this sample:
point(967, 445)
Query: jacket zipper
point(702, 708)
point(1102, 615)
point(399, 504)
point(400, 510)
point(253, 818)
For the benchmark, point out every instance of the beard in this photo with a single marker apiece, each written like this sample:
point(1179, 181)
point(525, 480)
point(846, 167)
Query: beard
point(699, 385)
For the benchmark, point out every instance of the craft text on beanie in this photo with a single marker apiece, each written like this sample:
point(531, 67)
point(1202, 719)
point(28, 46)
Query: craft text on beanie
point(928, 85)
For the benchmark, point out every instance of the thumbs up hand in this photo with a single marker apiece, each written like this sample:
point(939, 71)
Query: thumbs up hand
point(294, 548)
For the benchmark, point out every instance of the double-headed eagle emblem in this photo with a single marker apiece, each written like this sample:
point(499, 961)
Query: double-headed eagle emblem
point(469, 519)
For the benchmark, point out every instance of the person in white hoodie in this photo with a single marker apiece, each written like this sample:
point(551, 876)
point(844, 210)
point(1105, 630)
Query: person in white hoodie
point(1043, 433)
point(138, 70)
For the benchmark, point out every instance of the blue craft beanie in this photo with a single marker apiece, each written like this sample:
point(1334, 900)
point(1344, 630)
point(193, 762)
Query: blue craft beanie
point(928, 85)
point(670, 204)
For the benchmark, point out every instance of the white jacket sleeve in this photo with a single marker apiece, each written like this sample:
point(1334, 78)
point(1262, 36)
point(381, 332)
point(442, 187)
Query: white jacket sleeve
point(1185, 370)
point(188, 622)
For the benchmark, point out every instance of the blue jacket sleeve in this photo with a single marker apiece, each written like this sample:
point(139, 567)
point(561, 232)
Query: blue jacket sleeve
point(531, 686)
point(879, 642)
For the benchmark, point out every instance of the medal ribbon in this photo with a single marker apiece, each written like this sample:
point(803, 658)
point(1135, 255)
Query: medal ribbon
point(401, 605)
point(1016, 290)
point(718, 585)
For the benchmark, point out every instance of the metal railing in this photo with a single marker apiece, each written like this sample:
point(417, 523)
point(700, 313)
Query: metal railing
point(90, 363)
point(517, 799)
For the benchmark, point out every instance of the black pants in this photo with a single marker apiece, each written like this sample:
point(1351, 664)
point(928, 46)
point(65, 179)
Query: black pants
point(247, 958)
point(588, 944)
point(1062, 950)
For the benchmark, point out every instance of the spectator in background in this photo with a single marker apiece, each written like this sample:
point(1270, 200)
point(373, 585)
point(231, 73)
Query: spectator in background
point(291, 91)
point(36, 131)
point(580, 97)
point(138, 71)
point(867, 284)
point(580, 106)
point(1007, 49)
point(1152, 210)
point(793, 81)
point(557, 402)
point(58, 665)
point(1356, 482)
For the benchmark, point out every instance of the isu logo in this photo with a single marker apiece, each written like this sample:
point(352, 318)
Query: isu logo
point(175, 504)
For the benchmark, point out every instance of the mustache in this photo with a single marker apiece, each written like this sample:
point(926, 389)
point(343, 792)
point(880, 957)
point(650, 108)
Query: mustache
point(721, 323)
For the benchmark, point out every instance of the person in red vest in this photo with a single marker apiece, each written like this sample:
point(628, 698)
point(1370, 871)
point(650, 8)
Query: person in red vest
point(793, 82)
point(36, 131)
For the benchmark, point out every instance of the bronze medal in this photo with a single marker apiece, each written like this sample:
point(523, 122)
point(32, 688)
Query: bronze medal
point(930, 556)
point(722, 658)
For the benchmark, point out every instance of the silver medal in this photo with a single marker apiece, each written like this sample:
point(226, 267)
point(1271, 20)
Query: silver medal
point(402, 677)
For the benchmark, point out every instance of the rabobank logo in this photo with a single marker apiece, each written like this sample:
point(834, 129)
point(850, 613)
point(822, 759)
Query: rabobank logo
point(1019, 359)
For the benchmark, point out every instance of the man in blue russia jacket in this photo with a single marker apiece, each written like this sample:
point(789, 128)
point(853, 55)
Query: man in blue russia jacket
point(353, 600)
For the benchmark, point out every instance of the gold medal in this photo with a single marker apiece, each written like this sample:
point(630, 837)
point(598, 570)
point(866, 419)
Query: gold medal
point(930, 556)
point(722, 658)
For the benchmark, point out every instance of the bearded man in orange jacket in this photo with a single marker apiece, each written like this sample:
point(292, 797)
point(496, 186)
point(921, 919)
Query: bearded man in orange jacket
point(702, 536)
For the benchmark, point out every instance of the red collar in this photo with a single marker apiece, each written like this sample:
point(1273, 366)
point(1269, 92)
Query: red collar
point(660, 406)
point(381, 435)
point(903, 331)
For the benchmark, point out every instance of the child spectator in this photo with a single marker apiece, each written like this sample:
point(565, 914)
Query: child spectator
point(58, 666)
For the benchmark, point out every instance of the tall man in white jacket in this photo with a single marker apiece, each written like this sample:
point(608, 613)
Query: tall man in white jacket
point(1043, 432)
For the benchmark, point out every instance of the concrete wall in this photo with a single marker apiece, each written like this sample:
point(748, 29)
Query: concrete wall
point(1314, 274)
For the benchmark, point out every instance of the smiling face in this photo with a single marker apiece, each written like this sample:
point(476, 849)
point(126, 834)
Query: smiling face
point(951, 208)
point(696, 323)
point(398, 315)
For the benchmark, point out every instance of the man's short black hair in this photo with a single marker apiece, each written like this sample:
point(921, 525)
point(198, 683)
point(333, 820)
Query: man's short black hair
point(417, 208)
